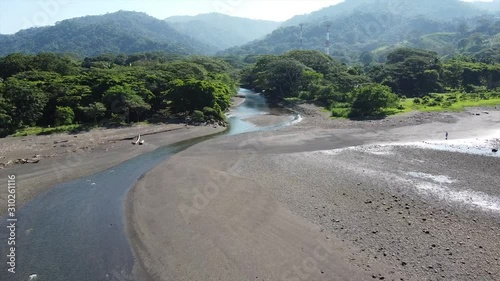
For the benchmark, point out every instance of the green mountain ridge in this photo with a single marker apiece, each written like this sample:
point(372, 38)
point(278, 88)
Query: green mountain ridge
point(120, 32)
point(360, 26)
point(222, 31)
point(431, 9)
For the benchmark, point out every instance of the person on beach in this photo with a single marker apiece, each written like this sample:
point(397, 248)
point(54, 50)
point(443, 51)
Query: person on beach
point(446, 135)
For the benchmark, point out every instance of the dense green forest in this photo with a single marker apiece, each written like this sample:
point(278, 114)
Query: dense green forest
point(55, 90)
point(357, 91)
point(120, 32)
point(222, 31)
point(448, 27)
point(443, 10)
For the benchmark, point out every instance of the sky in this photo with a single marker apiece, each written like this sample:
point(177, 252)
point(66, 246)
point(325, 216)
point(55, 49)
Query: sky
point(21, 14)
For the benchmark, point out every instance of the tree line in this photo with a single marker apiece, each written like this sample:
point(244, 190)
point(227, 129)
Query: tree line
point(54, 90)
point(360, 91)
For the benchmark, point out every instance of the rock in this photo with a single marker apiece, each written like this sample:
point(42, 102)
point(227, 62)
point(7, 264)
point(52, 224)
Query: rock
point(494, 150)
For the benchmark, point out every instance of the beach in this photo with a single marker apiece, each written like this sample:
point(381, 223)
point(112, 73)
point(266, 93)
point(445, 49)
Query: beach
point(327, 199)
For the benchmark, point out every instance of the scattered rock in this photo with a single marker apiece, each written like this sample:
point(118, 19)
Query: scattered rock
point(495, 150)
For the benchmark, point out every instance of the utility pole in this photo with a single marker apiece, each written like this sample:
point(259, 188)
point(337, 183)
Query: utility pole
point(327, 51)
point(301, 36)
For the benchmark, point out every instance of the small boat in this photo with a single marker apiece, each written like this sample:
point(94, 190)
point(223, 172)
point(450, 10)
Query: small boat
point(141, 142)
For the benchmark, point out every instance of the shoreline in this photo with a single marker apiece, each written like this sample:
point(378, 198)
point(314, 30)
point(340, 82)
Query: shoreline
point(262, 187)
point(86, 154)
point(60, 158)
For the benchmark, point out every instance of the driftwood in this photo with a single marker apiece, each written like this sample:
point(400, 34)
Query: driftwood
point(137, 141)
point(27, 161)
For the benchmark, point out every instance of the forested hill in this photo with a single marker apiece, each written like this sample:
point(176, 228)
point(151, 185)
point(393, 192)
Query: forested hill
point(222, 31)
point(442, 10)
point(492, 6)
point(120, 32)
point(359, 26)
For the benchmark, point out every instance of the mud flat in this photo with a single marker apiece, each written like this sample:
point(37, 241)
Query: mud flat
point(327, 200)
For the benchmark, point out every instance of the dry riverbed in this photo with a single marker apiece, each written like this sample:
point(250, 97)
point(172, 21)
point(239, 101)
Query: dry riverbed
point(327, 200)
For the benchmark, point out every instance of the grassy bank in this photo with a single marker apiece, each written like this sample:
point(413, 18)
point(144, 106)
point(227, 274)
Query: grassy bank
point(432, 103)
point(47, 131)
point(450, 102)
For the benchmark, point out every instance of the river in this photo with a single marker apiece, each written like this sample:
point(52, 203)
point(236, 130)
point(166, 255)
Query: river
point(76, 230)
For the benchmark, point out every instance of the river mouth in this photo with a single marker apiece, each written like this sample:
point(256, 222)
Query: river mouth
point(76, 231)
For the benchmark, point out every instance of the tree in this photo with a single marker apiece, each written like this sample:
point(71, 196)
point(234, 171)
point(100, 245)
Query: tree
point(318, 61)
point(124, 100)
point(5, 114)
point(285, 78)
point(27, 99)
point(412, 72)
point(191, 95)
point(94, 111)
point(371, 100)
point(13, 64)
point(64, 116)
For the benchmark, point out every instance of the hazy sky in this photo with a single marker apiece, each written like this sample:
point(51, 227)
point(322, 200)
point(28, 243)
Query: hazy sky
point(20, 14)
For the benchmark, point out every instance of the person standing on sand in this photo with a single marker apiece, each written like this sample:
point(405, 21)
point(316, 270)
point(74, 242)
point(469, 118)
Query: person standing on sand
point(446, 135)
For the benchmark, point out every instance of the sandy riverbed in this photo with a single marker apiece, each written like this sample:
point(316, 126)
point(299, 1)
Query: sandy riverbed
point(65, 157)
point(327, 200)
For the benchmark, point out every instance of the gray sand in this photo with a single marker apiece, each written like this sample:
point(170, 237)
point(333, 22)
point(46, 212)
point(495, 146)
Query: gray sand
point(295, 205)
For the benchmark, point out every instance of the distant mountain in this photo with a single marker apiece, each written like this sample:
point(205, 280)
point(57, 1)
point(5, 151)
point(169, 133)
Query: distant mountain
point(222, 31)
point(490, 6)
point(120, 32)
point(359, 26)
point(439, 10)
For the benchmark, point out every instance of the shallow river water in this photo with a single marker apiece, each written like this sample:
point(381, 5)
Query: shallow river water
point(76, 230)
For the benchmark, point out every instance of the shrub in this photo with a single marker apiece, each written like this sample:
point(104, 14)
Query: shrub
point(340, 112)
point(372, 99)
point(417, 101)
point(198, 116)
point(64, 116)
point(447, 103)
point(117, 119)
